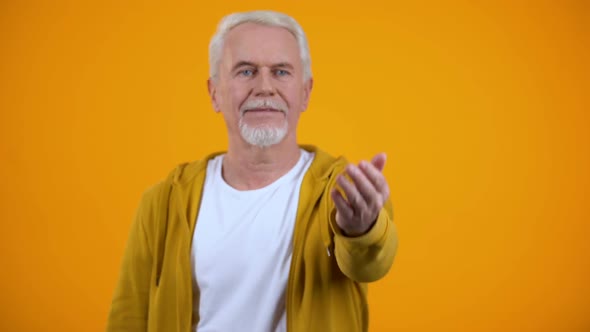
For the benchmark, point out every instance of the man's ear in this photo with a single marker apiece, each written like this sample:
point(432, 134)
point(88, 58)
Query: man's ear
point(213, 94)
point(307, 86)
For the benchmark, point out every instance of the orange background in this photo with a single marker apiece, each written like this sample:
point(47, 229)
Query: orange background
point(483, 111)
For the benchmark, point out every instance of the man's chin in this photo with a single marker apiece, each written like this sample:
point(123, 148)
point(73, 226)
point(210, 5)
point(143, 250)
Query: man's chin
point(263, 136)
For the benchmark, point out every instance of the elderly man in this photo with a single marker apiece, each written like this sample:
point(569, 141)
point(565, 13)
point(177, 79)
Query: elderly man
point(270, 235)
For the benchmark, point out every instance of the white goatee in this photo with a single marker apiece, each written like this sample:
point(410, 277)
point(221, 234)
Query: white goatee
point(263, 135)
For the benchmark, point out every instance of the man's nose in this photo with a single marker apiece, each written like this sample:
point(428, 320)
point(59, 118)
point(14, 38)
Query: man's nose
point(264, 84)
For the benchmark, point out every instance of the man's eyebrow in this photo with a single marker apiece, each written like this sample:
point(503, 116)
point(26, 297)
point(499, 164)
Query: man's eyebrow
point(251, 64)
point(283, 65)
point(243, 63)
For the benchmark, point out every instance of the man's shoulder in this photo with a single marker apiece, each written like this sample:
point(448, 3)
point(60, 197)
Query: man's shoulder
point(185, 172)
point(182, 174)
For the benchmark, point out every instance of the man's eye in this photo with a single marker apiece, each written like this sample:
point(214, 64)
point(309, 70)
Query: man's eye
point(281, 72)
point(247, 72)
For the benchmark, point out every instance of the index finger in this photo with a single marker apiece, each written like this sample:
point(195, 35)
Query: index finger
point(379, 161)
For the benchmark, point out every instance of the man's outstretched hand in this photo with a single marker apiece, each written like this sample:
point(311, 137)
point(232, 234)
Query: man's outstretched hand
point(365, 196)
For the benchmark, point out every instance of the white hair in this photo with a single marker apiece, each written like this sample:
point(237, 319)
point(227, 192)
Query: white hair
point(264, 17)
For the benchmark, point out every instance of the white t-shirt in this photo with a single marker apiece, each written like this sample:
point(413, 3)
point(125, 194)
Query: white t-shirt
point(241, 251)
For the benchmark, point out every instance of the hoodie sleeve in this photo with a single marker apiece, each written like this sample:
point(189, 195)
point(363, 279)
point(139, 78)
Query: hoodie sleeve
point(368, 257)
point(129, 308)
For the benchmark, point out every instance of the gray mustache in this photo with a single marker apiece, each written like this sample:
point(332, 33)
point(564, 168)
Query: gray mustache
point(263, 103)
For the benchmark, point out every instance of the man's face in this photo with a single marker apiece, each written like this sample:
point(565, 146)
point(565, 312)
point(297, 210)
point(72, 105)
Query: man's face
point(259, 87)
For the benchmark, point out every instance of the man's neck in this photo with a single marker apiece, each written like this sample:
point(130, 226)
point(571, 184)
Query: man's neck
point(247, 167)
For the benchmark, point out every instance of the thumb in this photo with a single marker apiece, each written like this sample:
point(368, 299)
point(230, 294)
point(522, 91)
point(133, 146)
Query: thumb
point(379, 161)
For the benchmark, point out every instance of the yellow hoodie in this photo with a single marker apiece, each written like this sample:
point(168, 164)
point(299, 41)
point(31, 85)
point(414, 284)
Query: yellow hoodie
point(327, 288)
